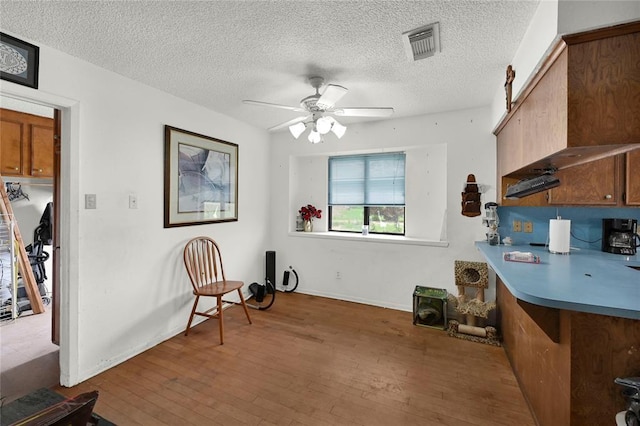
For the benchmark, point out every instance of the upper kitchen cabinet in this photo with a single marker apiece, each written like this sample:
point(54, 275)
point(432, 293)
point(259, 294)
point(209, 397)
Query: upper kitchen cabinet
point(26, 148)
point(583, 105)
point(632, 178)
point(610, 181)
point(595, 183)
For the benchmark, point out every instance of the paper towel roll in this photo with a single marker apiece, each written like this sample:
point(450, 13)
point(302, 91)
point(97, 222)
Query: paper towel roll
point(559, 236)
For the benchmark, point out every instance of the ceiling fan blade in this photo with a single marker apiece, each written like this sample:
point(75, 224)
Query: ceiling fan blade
point(363, 112)
point(332, 94)
point(289, 123)
point(267, 104)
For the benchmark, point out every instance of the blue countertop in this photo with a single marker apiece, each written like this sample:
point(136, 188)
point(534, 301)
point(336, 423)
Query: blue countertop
point(584, 280)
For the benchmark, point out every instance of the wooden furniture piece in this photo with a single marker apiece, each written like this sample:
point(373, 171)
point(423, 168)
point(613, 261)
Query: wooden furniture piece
point(632, 180)
point(580, 107)
point(608, 182)
point(566, 361)
point(595, 183)
point(26, 147)
point(570, 327)
point(203, 261)
point(47, 407)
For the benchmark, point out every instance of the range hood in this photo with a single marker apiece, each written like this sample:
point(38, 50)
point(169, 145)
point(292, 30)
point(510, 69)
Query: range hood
point(531, 186)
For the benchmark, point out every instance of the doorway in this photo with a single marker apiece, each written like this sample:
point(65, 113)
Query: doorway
point(29, 358)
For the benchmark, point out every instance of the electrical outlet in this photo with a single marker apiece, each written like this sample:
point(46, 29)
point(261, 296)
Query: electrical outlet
point(133, 201)
point(528, 227)
point(338, 275)
point(517, 226)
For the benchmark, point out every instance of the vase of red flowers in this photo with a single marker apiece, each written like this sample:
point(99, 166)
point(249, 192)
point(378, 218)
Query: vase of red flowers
point(308, 213)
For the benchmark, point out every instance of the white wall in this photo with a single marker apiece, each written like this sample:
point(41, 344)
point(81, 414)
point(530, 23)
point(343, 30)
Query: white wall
point(27, 107)
point(552, 19)
point(534, 47)
point(575, 16)
point(124, 288)
point(426, 204)
point(380, 273)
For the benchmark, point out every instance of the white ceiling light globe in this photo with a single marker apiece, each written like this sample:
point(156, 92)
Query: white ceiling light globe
point(323, 125)
point(314, 137)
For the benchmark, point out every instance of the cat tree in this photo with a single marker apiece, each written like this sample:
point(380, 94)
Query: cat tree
point(472, 275)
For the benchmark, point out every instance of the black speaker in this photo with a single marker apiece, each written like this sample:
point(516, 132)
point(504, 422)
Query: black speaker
point(271, 267)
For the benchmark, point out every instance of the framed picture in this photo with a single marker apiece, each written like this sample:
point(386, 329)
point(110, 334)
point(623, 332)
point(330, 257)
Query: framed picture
point(200, 179)
point(18, 61)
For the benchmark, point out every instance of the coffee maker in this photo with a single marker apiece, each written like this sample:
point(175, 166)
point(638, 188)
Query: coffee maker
point(620, 236)
point(631, 393)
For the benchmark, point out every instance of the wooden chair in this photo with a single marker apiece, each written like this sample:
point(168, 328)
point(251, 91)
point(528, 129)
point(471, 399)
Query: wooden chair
point(203, 261)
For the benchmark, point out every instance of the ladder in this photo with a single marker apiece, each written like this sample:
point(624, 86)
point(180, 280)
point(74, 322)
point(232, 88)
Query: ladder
point(24, 266)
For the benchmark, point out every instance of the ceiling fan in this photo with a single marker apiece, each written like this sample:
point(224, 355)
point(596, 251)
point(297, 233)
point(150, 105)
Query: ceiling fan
point(319, 111)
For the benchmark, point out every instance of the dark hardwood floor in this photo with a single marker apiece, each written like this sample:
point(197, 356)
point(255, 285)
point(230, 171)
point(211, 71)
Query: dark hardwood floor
point(312, 361)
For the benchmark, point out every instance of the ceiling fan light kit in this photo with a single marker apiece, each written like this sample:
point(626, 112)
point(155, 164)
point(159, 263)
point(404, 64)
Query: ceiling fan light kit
point(321, 126)
point(315, 137)
point(338, 129)
point(297, 129)
point(320, 109)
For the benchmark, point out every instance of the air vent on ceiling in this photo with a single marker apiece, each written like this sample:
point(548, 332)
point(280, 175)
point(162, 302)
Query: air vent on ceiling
point(422, 42)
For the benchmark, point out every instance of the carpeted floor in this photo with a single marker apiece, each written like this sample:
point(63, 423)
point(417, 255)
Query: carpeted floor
point(29, 360)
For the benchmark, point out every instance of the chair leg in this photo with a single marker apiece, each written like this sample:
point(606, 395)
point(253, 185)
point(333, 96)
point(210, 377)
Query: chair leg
point(220, 323)
point(244, 305)
point(193, 312)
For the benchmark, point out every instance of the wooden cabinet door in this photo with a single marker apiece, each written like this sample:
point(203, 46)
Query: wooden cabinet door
point(11, 148)
point(544, 114)
point(593, 183)
point(27, 144)
point(509, 146)
point(41, 151)
point(632, 178)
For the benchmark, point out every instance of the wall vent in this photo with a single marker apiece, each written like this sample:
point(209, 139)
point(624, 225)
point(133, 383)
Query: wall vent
point(422, 42)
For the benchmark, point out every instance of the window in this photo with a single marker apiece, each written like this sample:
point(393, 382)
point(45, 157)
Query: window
point(367, 190)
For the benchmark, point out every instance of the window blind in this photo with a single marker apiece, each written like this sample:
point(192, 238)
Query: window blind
point(367, 180)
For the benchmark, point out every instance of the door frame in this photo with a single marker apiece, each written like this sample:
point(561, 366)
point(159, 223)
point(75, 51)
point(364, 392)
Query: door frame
point(68, 225)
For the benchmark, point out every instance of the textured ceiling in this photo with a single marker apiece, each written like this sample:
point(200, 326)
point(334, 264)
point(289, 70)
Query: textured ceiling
point(217, 53)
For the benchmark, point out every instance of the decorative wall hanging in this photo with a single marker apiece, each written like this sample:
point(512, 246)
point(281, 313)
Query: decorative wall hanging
point(471, 198)
point(18, 61)
point(200, 179)
point(511, 75)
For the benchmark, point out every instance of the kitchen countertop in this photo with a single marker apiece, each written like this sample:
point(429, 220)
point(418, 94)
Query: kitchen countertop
point(584, 280)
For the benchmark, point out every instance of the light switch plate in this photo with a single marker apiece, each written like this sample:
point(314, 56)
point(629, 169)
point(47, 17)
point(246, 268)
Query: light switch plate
point(90, 201)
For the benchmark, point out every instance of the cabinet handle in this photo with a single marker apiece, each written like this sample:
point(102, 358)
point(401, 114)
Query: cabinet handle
point(608, 197)
point(37, 170)
point(12, 168)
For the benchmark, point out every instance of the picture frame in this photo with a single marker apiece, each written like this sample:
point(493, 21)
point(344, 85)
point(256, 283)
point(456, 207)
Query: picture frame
point(19, 61)
point(200, 179)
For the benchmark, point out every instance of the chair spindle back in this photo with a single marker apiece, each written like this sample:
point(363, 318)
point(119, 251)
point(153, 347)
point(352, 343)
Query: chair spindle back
point(203, 261)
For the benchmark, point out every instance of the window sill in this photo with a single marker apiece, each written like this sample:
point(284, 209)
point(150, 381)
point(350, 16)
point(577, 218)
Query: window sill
point(371, 238)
